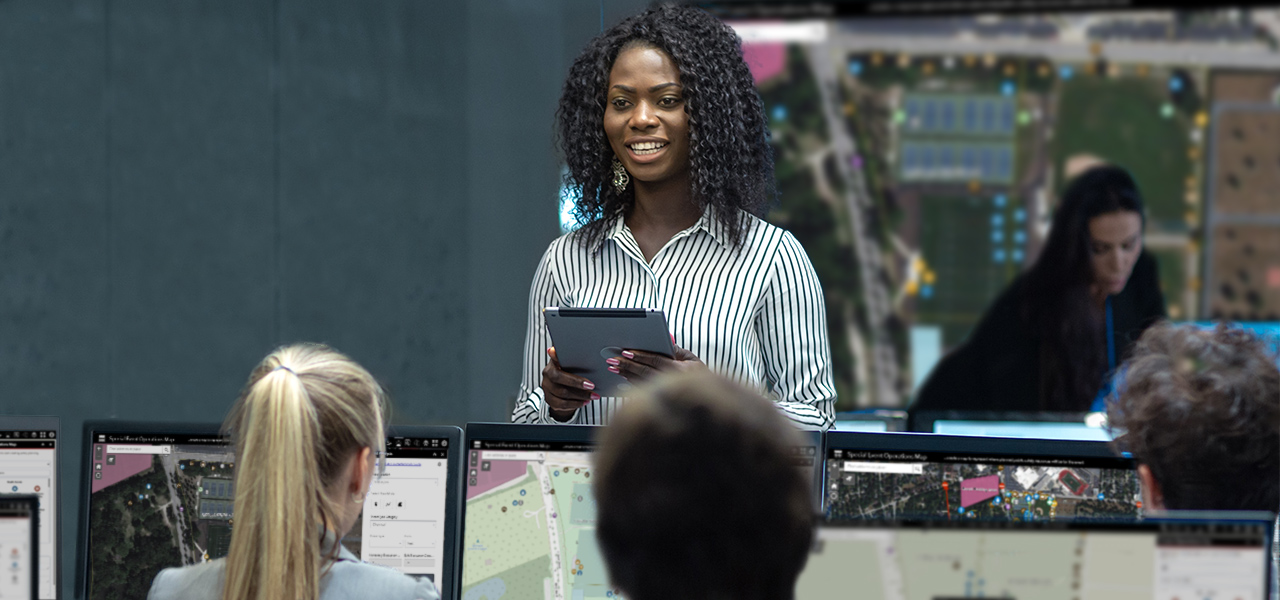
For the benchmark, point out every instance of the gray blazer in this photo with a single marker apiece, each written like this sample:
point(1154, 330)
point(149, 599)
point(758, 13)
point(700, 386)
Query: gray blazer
point(347, 578)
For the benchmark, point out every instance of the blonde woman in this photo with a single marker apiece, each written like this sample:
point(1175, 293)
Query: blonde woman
point(307, 428)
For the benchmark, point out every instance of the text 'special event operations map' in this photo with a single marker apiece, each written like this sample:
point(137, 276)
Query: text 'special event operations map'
point(927, 485)
point(530, 523)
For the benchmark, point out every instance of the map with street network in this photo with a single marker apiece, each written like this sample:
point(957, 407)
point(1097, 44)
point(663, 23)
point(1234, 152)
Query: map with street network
point(1011, 490)
point(920, 157)
point(529, 528)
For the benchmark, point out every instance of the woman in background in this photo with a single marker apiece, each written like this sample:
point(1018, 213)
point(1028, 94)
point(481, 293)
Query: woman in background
point(307, 429)
point(667, 142)
point(1049, 341)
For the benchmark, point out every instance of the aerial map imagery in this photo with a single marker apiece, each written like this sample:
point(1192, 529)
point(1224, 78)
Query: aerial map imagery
point(154, 506)
point(1010, 489)
point(920, 159)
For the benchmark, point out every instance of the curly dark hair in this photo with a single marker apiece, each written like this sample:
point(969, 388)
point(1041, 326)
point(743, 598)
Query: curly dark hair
point(1201, 408)
point(696, 471)
point(731, 162)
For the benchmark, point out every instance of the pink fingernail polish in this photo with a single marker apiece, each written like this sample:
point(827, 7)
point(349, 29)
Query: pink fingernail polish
point(587, 385)
point(614, 370)
point(595, 396)
point(628, 354)
point(613, 361)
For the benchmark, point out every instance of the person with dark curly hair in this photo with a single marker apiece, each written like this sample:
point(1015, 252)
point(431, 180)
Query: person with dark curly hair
point(1048, 342)
point(1199, 409)
point(666, 143)
point(697, 496)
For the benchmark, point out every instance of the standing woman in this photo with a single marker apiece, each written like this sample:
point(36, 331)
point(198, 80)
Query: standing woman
point(307, 428)
point(1049, 341)
point(666, 140)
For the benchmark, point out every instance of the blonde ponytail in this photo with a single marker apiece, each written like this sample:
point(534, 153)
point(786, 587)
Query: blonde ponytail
point(306, 409)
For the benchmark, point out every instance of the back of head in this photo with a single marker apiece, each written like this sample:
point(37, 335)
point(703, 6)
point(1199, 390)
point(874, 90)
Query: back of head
point(1056, 301)
point(304, 412)
point(698, 496)
point(1202, 411)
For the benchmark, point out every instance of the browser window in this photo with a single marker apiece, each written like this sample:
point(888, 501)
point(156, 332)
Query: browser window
point(29, 465)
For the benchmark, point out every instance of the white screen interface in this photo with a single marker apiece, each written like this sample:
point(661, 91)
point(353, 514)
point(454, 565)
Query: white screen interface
point(29, 465)
point(1219, 561)
point(402, 525)
point(530, 523)
point(15, 549)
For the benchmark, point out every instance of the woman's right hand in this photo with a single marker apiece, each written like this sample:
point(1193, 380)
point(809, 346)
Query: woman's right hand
point(564, 392)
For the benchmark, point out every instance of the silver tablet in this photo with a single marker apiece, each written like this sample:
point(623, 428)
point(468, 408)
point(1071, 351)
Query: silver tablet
point(585, 337)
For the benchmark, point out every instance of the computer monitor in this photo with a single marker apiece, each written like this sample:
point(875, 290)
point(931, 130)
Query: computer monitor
point(409, 522)
point(29, 465)
point(20, 546)
point(528, 521)
point(1179, 556)
point(160, 495)
point(930, 476)
point(871, 421)
point(1078, 426)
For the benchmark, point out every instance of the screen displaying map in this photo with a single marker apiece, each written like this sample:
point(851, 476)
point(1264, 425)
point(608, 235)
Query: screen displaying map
point(907, 562)
point(529, 523)
point(920, 157)
point(940, 485)
point(155, 501)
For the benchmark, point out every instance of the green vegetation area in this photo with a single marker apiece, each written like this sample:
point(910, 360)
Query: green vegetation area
point(813, 221)
point(1120, 121)
point(962, 77)
point(1170, 264)
point(955, 241)
point(130, 539)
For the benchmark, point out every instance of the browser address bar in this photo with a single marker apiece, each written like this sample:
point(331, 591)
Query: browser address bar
point(138, 449)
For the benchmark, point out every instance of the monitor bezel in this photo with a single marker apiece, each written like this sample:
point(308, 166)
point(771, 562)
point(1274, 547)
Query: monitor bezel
point(41, 423)
point(92, 428)
point(31, 504)
point(453, 494)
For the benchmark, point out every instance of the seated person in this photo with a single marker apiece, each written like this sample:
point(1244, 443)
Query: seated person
point(698, 496)
point(1049, 340)
point(306, 428)
point(1200, 411)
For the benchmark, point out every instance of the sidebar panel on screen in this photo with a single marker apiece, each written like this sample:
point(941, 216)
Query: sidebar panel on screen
point(29, 465)
point(403, 522)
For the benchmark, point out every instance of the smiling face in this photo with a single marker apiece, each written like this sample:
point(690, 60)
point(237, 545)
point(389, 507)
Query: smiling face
point(644, 118)
point(1115, 241)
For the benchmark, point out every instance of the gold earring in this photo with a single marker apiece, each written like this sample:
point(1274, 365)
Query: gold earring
point(357, 498)
point(620, 176)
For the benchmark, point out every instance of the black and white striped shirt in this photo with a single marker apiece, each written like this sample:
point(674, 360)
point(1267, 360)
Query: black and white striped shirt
point(755, 314)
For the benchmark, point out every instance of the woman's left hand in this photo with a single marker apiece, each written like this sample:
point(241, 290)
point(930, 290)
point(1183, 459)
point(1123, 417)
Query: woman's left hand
point(638, 365)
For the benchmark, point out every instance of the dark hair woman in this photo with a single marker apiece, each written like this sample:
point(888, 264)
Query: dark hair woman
point(666, 142)
point(1048, 342)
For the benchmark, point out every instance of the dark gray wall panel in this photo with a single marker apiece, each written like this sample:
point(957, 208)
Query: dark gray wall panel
point(372, 207)
point(191, 183)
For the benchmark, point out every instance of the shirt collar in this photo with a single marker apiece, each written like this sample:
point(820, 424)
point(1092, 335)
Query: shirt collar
point(707, 222)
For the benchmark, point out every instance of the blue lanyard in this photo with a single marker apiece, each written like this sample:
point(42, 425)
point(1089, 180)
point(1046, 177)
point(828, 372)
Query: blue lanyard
point(1100, 401)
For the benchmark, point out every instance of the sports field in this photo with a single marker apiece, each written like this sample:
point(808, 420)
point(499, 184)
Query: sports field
point(1120, 120)
point(968, 244)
